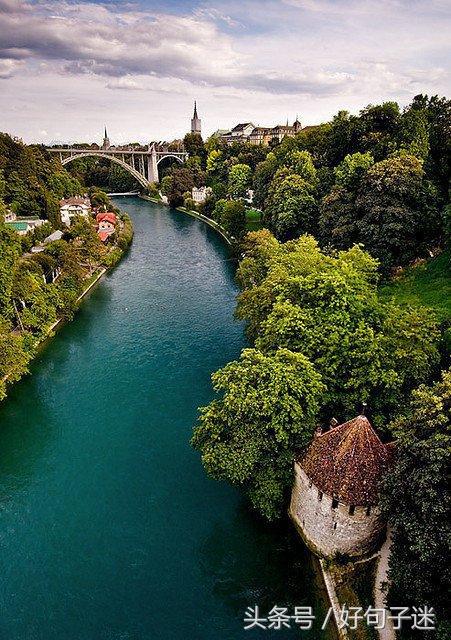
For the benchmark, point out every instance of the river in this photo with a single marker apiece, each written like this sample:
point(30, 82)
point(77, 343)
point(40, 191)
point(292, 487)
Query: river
point(109, 527)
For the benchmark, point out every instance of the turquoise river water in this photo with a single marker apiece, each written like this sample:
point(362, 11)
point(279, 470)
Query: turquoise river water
point(109, 527)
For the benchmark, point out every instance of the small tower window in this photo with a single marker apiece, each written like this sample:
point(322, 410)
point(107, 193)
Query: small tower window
point(334, 503)
point(368, 511)
point(335, 525)
point(310, 483)
point(351, 510)
point(320, 495)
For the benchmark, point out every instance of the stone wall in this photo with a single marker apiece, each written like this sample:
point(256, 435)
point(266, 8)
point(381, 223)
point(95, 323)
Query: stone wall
point(329, 528)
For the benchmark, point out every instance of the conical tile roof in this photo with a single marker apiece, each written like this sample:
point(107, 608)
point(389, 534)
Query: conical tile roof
point(347, 462)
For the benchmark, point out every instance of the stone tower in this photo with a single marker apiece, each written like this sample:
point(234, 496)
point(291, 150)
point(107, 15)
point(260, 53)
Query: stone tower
point(195, 121)
point(297, 126)
point(106, 141)
point(335, 494)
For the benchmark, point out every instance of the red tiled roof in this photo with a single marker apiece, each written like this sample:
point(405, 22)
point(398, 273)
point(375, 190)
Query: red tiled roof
point(103, 235)
point(108, 216)
point(347, 462)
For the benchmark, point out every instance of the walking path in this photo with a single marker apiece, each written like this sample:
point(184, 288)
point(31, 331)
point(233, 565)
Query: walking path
point(380, 589)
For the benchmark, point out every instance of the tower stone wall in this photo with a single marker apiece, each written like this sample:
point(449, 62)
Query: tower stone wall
point(329, 528)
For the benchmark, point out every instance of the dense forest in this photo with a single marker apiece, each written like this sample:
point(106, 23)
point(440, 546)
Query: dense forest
point(346, 207)
point(37, 289)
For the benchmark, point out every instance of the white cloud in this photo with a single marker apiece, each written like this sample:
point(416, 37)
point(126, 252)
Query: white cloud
point(243, 61)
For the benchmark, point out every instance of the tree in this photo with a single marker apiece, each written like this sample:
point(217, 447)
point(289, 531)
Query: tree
point(232, 216)
point(194, 146)
point(267, 407)
point(393, 212)
point(301, 163)
point(326, 307)
point(291, 208)
point(349, 173)
point(182, 181)
point(263, 176)
point(10, 251)
point(415, 499)
point(14, 357)
point(239, 180)
point(438, 116)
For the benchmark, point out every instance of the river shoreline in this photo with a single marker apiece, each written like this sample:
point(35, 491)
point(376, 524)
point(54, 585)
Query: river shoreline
point(40, 343)
point(194, 214)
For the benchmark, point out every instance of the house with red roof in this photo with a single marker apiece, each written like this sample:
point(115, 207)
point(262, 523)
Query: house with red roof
point(106, 224)
point(335, 496)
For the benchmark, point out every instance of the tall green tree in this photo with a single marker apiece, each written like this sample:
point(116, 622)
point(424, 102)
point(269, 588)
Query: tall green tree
point(291, 208)
point(267, 407)
point(416, 501)
point(239, 180)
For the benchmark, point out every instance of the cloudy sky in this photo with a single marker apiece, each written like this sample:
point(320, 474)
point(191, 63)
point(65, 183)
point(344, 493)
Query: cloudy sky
point(68, 68)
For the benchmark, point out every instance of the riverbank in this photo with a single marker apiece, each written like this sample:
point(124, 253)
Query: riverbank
point(36, 342)
point(195, 214)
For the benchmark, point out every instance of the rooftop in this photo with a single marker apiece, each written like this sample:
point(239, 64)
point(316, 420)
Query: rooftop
point(242, 125)
point(347, 462)
point(75, 200)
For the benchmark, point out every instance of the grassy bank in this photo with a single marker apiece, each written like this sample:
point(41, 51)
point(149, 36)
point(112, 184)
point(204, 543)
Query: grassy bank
point(427, 284)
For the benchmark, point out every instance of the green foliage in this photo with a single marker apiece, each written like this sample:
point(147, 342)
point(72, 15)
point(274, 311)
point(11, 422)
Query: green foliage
point(231, 215)
point(291, 208)
point(194, 145)
point(32, 179)
point(239, 180)
point(301, 163)
point(263, 176)
point(268, 405)
point(415, 498)
point(166, 185)
point(349, 173)
point(393, 213)
point(327, 308)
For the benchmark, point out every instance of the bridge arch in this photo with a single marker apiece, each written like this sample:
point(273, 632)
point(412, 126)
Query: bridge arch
point(170, 155)
point(141, 179)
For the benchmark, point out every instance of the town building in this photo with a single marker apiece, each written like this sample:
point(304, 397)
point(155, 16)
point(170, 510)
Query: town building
point(196, 124)
point(239, 133)
point(248, 132)
point(334, 501)
point(75, 206)
point(106, 225)
point(200, 194)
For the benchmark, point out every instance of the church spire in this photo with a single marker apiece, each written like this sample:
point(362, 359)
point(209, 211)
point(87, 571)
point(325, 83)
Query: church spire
point(195, 121)
point(106, 141)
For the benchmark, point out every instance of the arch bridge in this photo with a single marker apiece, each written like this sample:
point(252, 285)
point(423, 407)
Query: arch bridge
point(142, 165)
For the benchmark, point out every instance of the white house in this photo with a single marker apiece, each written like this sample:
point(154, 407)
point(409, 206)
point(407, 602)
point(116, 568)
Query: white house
point(76, 206)
point(200, 194)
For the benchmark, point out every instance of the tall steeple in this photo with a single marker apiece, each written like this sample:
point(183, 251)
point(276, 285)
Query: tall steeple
point(195, 121)
point(106, 141)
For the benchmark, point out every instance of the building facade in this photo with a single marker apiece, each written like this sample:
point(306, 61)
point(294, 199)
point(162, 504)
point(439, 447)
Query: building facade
point(106, 225)
point(334, 501)
point(200, 194)
point(75, 206)
point(248, 132)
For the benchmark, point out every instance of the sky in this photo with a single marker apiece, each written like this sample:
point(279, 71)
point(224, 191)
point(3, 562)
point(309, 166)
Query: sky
point(68, 68)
